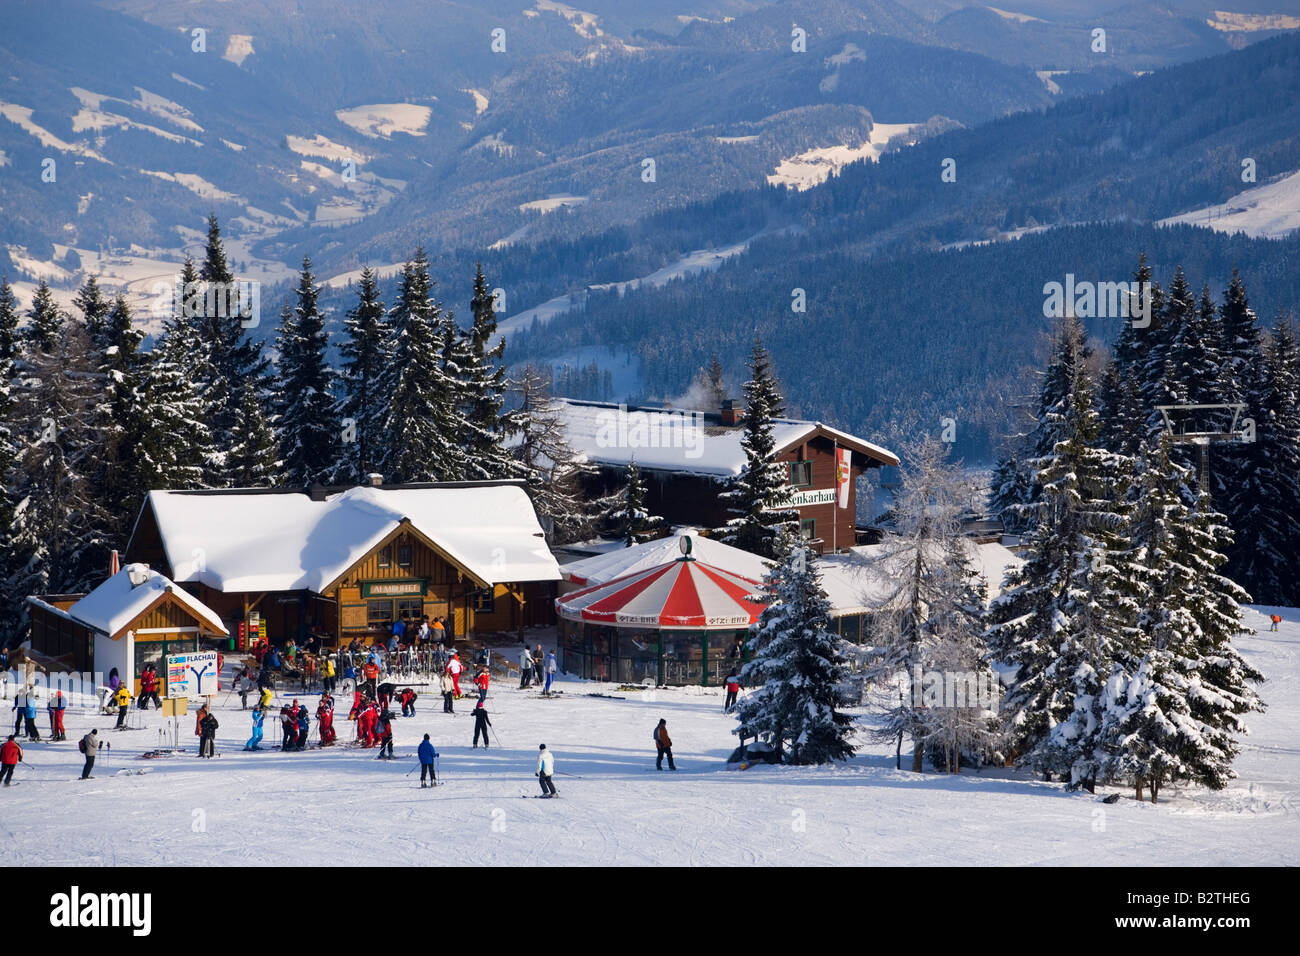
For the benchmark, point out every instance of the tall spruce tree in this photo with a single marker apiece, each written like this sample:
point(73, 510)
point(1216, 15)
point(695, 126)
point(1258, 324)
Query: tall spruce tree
point(59, 538)
point(252, 461)
point(758, 495)
point(94, 310)
point(1175, 699)
point(483, 391)
point(421, 423)
point(45, 322)
point(307, 432)
point(1073, 605)
point(177, 370)
point(231, 356)
point(796, 668)
point(10, 598)
point(367, 354)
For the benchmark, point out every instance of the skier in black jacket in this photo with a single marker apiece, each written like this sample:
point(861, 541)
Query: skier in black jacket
point(208, 737)
point(481, 724)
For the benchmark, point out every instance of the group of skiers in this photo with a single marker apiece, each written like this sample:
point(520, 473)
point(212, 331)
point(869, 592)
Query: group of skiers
point(533, 667)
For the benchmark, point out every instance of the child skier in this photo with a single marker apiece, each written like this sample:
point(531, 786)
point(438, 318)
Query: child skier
point(258, 716)
point(448, 690)
point(481, 682)
point(408, 697)
point(304, 726)
point(123, 704)
point(289, 726)
point(325, 714)
point(481, 724)
point(427, 756)
point(11, 752)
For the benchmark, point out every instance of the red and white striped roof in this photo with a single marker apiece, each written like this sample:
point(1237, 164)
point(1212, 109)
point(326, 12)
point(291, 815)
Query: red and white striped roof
point(684, 594)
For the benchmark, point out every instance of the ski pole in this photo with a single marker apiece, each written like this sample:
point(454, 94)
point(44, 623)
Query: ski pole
point(494, 735)
point(573, 775)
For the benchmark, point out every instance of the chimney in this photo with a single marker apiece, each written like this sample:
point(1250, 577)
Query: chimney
point(374, 479)
point(732, 411)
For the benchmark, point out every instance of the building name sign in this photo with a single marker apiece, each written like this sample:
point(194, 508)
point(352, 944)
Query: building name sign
point(381, 589)
point(801, 499)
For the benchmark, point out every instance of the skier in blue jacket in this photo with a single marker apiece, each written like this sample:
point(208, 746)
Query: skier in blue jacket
point(427, 756)
point(258, 716)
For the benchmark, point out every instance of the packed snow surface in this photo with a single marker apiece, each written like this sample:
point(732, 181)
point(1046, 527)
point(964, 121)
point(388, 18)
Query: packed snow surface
point(322, 806)
point(814, 166)
point(385, 119)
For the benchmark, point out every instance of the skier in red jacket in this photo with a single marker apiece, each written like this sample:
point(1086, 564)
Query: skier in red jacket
point(10, 754)
point(325, 714)
point(149, 688)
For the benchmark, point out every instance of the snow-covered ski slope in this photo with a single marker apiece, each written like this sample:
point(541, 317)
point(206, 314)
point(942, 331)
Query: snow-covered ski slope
point(340, 805)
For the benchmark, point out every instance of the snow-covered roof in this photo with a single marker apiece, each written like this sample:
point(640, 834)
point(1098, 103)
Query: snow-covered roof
point(249, 541)
point(681, 440)
point(602, 568)
point(116, 603)
point(854, 584)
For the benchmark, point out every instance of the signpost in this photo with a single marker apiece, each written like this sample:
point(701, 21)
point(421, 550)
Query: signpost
point(192, 675)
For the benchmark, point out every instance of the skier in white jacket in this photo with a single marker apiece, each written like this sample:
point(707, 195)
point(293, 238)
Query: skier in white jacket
point(545, 770)
point(525, 668)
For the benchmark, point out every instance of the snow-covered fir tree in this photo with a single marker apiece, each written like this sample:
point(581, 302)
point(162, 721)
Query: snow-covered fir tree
point(929, 623)
point(177, 370)
point(1267, 500)
point(758, 495)
point(1072, 607)
point(58, 536)
point(1009, 489)
point(421, 422)
point(45, 323)
point(308, 435)
point(483, 391)
point(366, 357)
point(230, 356)
point(554, 472)
point(1175, 699)
point(94, 309)
point(633, 523)
point(252, 460)
point(796, 669)
point(1158, 378)
point(10, 598)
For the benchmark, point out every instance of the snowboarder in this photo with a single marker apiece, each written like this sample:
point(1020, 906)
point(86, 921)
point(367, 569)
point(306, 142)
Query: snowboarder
point(732, 683)
point(545, 770)
point(427, 756)
point(1275, 620)
point(525, 668)
point(259, 715)
point(551, 668)
point(664, 745)
point(58, 703)
point(454, 667)
point(481, 682)
point(481, 724)
point(208, 739)
point(89, 745)
point(10, 754)
point(448, 690)
point(386, 735)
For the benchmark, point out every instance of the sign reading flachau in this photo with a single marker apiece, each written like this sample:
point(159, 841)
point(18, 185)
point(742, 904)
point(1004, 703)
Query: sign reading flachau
point(192, 675)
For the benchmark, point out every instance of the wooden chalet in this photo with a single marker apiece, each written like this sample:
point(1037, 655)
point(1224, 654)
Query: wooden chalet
point(343, 564)
point(686, 457)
